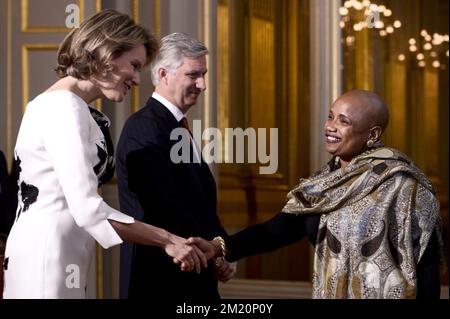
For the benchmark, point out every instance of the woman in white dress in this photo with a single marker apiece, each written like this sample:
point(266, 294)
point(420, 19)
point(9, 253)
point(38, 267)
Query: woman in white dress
point(64, 152)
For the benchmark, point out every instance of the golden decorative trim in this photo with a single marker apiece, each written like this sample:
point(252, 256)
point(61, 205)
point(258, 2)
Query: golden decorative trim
point(294, 52)
point(327, 37)
point(200, 19)
point(156, 27)
point(135, 9)
point(99, 258)
point(336, 56)
point(98, 5)
point(26, 28)
point(25, 67)
point(223, 66)
point(9, 91)
point(208, 80)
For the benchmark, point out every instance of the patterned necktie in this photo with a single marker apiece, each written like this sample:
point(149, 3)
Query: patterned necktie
point(184, 123)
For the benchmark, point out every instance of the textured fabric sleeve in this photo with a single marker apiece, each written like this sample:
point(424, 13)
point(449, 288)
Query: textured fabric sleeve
point(281, 230)
point(67, 134)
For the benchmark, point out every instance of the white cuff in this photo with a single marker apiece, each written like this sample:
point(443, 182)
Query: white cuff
point(103, 232)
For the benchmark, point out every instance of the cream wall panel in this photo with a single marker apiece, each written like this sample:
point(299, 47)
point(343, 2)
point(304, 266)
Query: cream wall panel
point(38, 62)
point(36, 18)
point(179, 16)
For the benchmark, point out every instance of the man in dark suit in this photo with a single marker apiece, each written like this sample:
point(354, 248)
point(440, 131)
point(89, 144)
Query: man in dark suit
point(153, 187)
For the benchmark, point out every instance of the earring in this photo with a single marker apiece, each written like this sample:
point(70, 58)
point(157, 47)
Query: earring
point(369, 143)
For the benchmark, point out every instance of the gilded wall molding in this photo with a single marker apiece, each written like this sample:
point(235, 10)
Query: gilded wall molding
point(24, 13)
point(135, 10)
point(223, 66)
point(99, 269)
point(26, 48)
point(206, 15)
point(98, 5)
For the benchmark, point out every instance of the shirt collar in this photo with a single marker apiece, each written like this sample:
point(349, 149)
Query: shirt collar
point(176, 112)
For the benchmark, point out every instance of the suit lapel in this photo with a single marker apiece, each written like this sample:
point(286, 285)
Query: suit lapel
point(171, 123)
point(163, 113)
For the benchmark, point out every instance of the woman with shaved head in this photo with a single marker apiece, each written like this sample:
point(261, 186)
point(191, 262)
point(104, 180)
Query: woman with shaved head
point(371, 214)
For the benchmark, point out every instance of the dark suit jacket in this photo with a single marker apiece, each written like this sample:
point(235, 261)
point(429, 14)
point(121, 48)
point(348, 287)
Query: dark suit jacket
point(180, 198)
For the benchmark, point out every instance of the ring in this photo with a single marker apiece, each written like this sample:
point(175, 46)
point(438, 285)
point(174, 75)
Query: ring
point(219, 261)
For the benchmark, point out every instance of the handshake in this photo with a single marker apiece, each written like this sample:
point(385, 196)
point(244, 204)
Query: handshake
point(194, 253)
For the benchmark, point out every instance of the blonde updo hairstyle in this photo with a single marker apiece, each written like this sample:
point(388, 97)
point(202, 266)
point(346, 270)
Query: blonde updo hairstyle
point(89, 49)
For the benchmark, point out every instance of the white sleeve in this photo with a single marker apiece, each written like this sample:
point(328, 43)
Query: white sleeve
point(66, 137)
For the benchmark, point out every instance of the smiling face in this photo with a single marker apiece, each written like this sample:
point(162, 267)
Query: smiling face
point(125, 74)
point(183, 86)
point(347, 129)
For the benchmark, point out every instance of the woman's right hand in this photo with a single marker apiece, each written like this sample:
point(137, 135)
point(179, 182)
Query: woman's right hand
point(189, 256)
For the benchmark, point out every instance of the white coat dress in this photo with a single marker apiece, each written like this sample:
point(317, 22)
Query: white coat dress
point(62, 157)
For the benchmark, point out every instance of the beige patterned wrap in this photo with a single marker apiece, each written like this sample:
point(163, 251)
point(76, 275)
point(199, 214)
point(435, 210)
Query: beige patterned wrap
point(378, 214)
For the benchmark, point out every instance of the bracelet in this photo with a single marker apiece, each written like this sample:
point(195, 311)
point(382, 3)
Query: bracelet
point(223, 247)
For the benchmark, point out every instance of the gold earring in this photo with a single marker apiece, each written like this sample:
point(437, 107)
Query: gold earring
point(369, 143)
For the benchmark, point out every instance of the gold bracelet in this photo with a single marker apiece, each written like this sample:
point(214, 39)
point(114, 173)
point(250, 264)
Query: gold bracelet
point(223, 247)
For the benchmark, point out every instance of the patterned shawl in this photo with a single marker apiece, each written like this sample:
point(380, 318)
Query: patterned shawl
point(377, 216)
